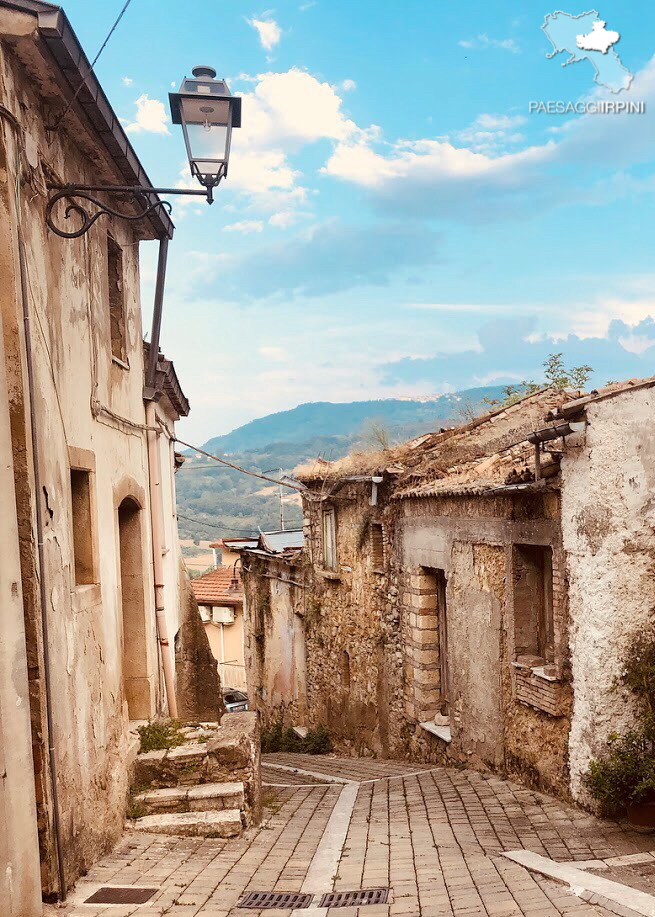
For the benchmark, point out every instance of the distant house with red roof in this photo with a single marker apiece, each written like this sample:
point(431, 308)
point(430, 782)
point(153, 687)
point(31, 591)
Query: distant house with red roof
point(220, 600)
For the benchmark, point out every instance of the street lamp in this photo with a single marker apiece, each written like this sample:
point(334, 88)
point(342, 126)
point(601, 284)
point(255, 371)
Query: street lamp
point(207, 111)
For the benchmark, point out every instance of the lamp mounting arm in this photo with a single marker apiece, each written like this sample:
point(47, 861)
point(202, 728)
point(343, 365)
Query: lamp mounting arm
point(140, 195)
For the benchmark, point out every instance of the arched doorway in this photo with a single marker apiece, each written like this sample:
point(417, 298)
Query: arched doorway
point(136, 682)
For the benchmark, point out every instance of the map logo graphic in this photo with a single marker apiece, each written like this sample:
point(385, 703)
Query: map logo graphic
point(585, 37)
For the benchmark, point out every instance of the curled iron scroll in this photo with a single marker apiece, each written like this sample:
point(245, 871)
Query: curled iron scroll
point(77, 209)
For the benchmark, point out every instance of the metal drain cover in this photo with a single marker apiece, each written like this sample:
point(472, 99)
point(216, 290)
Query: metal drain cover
point(263, 900)
point(125, 894)
point(355, 899)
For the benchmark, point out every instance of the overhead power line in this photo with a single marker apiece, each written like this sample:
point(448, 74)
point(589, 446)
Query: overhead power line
point(61, 117)
point(254, 474)
point(223, 528)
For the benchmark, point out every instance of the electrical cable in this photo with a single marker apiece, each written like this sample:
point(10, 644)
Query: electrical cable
point(224, 528)
point(253, 474)
point(53, 130)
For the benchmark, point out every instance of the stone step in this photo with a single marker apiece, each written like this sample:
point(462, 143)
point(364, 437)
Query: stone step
point(185, 764)
point(207, 797)
point(192, 824)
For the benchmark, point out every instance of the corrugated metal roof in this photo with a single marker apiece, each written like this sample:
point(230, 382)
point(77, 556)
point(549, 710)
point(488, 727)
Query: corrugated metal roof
point(277, 542)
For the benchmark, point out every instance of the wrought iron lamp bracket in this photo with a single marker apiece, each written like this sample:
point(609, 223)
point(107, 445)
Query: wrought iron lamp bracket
point(138, 195)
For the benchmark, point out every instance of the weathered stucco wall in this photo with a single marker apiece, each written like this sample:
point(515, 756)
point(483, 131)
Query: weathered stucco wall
point(88, 414)
point(608, 521)
point(20, 879)
point(275, 643)
point(226, 642)
point(471, 540)
point(353, 636)
point(198, 686)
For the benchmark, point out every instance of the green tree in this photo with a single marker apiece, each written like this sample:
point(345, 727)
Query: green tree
point(555, 376)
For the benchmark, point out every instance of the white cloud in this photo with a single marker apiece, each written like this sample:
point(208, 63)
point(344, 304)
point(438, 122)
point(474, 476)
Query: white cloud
point(286, 111)
point(127, 80)
point(636, 343)
point(151, 117)
point(486, 172)
point(277, 354)
point(491, 133)
point(244, 226)
point(483, 41)
point(292, 109)
point(268, 30)
point(348, 85)
point(283, 219)
point(426, 162)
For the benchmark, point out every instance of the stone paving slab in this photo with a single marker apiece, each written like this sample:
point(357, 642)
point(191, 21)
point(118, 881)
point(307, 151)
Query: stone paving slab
point(359, 769)
point(436, 839)
point(273, 776)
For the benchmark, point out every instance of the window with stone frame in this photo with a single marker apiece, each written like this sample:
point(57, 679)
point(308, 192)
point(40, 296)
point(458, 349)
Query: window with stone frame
point(116, 299)
point(532, 582)
point(377, 546)
point(83, 523)
point(329, 539)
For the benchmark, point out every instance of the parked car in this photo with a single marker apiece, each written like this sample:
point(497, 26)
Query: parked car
point(235, 701)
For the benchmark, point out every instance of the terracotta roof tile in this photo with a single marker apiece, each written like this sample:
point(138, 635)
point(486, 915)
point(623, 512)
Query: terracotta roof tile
point(217, 587)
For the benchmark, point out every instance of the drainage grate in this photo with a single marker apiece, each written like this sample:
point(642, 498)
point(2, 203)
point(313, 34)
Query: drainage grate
point(355, 899)
point(264, 900)
point(116, 894)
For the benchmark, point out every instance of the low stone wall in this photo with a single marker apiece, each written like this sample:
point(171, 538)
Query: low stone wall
point(198, 686)
point(235, 755)
point(231, 755)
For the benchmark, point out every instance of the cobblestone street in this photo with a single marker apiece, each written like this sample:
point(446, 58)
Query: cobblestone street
point(434, 837)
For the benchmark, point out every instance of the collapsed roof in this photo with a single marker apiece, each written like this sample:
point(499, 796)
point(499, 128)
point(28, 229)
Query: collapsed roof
point(493, 453)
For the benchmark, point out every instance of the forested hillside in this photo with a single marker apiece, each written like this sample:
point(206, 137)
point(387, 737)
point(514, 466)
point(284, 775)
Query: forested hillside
point(223, 502)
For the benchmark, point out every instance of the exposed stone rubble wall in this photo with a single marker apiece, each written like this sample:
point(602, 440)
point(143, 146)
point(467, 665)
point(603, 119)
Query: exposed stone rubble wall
point(543, 589)
point(608, 526)
point(198, 686)
point(372, 640)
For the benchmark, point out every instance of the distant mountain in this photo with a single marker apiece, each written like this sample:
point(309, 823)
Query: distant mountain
point(215, 502)
point(403, 417)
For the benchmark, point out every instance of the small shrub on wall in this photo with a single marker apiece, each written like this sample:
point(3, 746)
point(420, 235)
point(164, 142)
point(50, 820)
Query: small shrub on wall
point(622, 778)
point(281, 738)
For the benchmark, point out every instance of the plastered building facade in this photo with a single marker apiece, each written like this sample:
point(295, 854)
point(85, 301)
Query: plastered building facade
point(468, 597)
point(81, 474)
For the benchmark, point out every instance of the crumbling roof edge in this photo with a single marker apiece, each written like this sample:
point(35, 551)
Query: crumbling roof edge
point(578, 405)
point(67, 56)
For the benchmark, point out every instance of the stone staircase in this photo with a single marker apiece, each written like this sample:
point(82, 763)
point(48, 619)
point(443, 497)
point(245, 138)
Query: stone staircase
point(210, 786)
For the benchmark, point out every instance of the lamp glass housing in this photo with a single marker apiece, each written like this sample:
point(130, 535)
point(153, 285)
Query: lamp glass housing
point(207, 112)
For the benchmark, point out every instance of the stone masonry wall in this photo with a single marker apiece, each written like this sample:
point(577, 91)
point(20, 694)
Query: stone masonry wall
point(373, 641)
point(354, 642)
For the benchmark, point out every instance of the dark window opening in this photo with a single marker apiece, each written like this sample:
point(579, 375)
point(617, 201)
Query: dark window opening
point(116, 299)
point(533, 602)
point(82, 527)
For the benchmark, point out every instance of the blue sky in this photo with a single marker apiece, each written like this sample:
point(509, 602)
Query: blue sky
point(394, 222)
